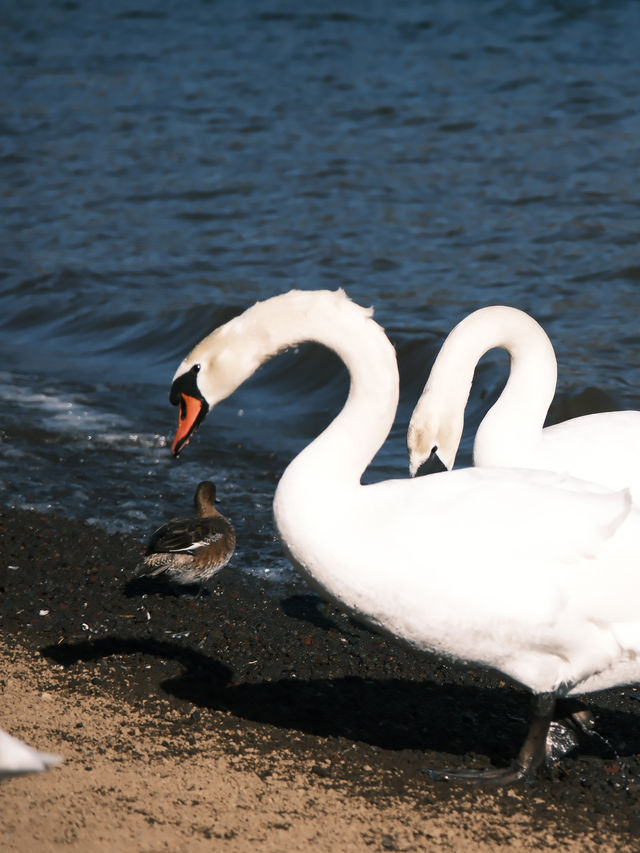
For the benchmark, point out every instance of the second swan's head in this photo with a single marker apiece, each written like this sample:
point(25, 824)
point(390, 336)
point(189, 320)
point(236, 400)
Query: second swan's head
point(432, 438)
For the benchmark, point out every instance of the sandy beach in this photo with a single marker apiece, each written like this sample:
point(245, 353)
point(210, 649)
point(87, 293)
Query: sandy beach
point(250, 718)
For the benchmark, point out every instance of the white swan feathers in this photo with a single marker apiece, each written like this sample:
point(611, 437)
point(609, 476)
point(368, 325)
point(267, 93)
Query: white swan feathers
point(17, 757)
point(532, 573)
point(603, 448)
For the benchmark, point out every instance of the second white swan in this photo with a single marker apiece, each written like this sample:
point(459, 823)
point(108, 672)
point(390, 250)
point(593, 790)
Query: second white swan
point(603, 448)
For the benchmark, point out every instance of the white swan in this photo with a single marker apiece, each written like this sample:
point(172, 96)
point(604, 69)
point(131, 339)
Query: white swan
point(531, 573)
point(17, 758)
point(603, 448)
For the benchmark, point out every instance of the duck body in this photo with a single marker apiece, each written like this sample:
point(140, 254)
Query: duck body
point(17, 758)
point(602, 448)
point(191, 550)
point(532, 573)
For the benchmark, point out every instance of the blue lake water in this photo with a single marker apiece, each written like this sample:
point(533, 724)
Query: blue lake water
point(164, 165)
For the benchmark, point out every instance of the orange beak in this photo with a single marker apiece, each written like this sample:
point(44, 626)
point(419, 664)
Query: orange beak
point(192, 411)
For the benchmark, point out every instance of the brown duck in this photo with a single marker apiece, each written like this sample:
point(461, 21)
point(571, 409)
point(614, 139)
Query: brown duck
point(191, 550)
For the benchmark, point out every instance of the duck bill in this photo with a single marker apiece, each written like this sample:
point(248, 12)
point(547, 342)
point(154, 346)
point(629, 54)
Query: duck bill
point(192, 412)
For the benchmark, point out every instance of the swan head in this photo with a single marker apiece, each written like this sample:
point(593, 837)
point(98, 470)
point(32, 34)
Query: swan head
point(217, 366)
point(193, 406)
point(432, 441)
point(210, 373)
point(233, 352)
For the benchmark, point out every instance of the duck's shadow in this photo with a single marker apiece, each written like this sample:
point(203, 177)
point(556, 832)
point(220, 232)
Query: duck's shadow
point(392, 713)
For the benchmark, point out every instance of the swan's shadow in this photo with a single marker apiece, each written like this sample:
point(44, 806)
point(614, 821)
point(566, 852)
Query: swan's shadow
point(392, 714)
point(308, 607)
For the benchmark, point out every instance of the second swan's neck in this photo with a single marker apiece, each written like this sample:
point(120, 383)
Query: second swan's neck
point(516, 419)
point(522, 407)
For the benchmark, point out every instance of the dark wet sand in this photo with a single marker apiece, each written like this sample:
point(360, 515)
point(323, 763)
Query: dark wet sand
point(264, 721)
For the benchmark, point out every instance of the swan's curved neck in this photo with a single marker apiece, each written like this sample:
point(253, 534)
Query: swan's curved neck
point(518, 414)
point(234, 351)
point(523, 404)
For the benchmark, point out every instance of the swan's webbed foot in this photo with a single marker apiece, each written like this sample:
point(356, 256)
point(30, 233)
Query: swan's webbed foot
point(573, 722)
point(575, 714)
point(530, 757)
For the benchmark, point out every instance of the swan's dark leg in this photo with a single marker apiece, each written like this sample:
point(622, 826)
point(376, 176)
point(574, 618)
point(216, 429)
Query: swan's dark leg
point(530, 757)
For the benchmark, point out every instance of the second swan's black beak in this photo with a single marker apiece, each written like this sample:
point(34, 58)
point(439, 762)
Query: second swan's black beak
point(432, 465)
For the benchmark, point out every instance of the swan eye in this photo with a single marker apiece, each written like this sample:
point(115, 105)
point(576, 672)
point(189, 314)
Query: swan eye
point(186, 383)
